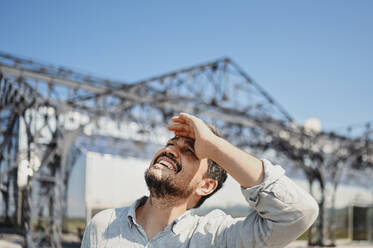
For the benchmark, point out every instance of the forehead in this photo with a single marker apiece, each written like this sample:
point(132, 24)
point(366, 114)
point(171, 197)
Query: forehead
point(184, 140)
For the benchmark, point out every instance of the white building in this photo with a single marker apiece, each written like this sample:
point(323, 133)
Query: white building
point(109, 172)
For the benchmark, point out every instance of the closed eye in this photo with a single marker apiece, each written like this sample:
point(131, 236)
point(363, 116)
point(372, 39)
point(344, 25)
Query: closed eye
point(190, 151)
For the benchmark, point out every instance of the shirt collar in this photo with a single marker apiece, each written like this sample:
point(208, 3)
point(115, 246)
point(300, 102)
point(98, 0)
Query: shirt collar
point(177, 226)
point(182, 222)
point(132, 210)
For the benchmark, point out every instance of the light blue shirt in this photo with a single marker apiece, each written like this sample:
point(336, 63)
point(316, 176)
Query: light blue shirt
point(280, 211)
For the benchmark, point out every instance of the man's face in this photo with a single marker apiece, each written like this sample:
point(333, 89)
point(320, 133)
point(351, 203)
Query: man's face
point(175, 170)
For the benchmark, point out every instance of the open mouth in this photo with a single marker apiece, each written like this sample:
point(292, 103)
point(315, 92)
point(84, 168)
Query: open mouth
point(168, 162)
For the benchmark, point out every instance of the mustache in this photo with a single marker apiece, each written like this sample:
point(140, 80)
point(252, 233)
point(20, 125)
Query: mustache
point(170, 156)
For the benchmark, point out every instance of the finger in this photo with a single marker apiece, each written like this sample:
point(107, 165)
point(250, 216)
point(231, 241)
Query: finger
point(186, 115)
point(184, 134)
point(183, 115)
point(179, 127)
point(187, 118)
point(177, 119)
point(181, 131)
point(194, 122)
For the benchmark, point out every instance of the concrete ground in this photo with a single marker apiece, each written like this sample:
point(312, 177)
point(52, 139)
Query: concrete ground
point(7, 244)
point(10, 241)
point(341, 243)
point(16, 241)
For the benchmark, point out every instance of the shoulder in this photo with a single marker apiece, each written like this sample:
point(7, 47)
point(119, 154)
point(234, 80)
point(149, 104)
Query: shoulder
point(215, 219)
point(99, 224)
point(213, 226)
point(216, 213)
point(105, 217)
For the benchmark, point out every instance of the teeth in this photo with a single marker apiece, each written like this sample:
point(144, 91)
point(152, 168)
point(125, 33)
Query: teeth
point(166, 163)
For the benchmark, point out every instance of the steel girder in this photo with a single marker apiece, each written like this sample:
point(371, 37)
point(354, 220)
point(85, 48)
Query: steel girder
point(219, 91)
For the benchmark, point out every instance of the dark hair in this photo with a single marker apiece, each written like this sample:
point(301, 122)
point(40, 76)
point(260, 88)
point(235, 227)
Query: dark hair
point(214, 171)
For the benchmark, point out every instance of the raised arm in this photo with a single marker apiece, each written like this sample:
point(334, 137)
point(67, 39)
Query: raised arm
point(283, 211)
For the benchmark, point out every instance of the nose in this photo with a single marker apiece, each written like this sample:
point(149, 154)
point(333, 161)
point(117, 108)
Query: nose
point(172, 151)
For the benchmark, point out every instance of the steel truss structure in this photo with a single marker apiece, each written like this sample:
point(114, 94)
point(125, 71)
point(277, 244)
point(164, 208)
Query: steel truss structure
point(40, 100)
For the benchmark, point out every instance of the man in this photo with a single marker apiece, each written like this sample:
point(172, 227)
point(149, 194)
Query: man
point(180, 177)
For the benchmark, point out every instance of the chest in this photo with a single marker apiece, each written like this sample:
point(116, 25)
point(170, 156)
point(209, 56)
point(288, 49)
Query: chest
point(163, 239)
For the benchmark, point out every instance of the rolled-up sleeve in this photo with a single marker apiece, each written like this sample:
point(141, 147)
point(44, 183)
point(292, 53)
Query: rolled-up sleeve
point(281, 212)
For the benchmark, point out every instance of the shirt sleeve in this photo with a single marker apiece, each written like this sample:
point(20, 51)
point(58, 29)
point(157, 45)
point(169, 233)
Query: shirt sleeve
point(281, 212)
point(90, 236)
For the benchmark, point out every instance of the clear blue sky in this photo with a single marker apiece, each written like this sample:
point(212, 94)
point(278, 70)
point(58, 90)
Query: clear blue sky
point(314, 57)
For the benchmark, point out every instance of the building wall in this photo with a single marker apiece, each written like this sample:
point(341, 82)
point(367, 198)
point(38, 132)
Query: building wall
point(76, 189)
point(113, 181)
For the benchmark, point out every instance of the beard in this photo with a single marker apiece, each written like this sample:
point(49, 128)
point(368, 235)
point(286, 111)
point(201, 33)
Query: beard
point(164, 187)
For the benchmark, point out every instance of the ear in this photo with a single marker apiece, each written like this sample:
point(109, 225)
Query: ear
point(206, 187)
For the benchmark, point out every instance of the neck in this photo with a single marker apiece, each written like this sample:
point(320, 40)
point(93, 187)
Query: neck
point(157, 213)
